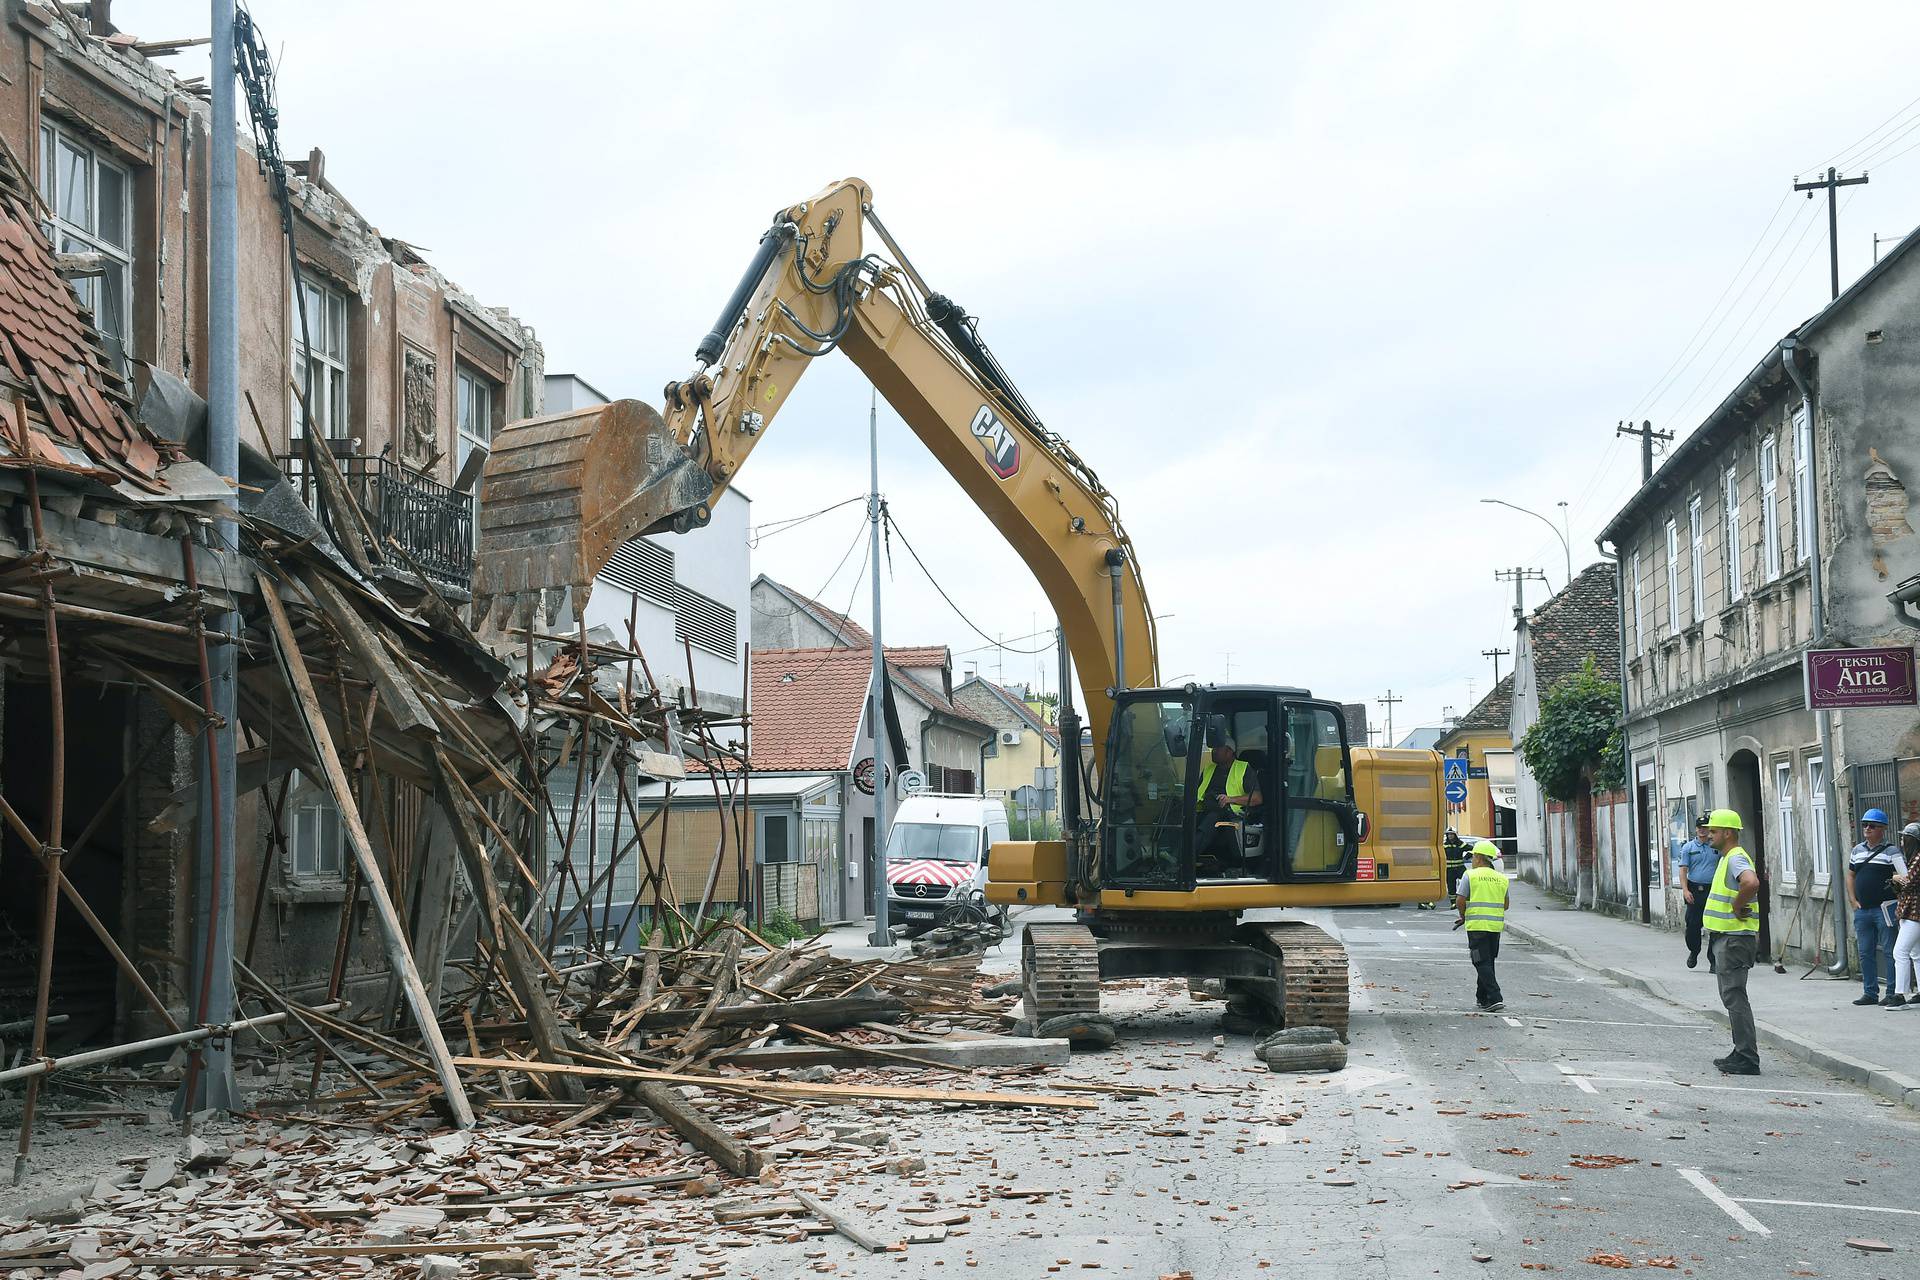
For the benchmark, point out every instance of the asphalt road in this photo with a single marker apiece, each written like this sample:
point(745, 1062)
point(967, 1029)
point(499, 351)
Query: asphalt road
point(1582, 1127)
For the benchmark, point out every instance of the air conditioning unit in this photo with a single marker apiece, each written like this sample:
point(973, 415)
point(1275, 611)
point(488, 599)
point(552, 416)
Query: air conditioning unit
point(1009, 737)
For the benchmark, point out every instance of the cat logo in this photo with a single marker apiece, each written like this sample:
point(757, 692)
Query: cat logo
point(1001, 446)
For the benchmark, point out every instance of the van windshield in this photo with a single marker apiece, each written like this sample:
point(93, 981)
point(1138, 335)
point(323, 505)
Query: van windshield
point(940, 841)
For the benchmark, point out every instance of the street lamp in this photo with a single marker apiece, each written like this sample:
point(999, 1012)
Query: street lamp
point(1564, 545)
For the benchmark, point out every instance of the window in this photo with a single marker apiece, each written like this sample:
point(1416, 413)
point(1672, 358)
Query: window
point(472, 414)
point(1770, 505)
point(89, 197)
point(1731, 534)
point(1817, 821)
point(1697, 531)
point(1783, 807)
point(321, 371)
point(1673, 578)
point(319, 844)
point(1802, 491)
point(1639, 628)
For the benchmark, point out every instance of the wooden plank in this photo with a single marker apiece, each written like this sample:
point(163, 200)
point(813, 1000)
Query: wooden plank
point(792, 1088)
point(872, 1244)
point(687, 1120)
point(393, 933)
point(397, 694)
point(828, 1013)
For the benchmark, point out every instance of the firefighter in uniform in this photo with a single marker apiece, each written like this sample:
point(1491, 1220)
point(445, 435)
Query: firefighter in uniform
point(1732, 923)
point(1482, 902)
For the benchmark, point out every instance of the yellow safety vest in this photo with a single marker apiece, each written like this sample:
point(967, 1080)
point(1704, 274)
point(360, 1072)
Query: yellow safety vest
point(1718, 916)
point(1236, 782)
point(1486, 901)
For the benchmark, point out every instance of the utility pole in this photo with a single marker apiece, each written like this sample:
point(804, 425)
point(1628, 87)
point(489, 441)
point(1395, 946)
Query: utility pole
point(877, 688)
point(1647, 436)
point(208, 1083)
point(1519, 577)
point(1388, 702)
point(1496, 655)
point(1831, 184)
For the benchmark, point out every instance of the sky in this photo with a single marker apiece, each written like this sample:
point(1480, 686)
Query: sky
point(1303, 283)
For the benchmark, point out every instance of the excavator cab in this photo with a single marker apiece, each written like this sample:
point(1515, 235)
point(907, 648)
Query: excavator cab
point(1226, 785)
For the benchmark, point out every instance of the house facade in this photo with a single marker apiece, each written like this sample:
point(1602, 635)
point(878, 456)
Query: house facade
point(1579, 847)
point(1023, 761)
point(1797, 479)
point(1481, 738)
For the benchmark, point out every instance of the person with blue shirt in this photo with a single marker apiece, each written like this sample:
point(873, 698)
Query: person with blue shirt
point(1871, 869)
point(1695, 864)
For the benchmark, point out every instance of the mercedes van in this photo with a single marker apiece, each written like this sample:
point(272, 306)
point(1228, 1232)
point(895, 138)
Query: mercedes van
point(937, 853)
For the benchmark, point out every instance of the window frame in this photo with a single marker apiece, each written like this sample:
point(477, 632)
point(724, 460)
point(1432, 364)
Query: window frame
point(1639, 622)
point(330, 409)
point(90, 239)
point(1673, 576)
point(1783, 810)
point(1802, 490)
point(1730, 519)
point(1697, 533)
point(308, 806)
point(1817, 825)
point(471, 388)
point(1770, 506)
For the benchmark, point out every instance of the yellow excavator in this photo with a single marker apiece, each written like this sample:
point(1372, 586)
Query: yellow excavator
point(1199, 803)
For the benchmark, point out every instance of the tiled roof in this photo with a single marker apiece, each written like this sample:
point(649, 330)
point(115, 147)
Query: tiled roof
point(922, 655)
point(1491, 712)
point(807, 703)
point(806, 706)
point(51, 352)
point(987, 695)
point(1581, 621)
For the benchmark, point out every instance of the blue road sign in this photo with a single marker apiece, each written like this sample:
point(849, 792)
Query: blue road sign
point(1456, 792)
point(1454, 769)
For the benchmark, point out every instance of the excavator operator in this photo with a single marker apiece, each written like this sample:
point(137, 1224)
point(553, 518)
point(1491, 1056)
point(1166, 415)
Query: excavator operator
point(1224, 799)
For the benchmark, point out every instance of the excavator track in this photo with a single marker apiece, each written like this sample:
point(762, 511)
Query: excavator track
point(1060, 982)
point(1313, 968)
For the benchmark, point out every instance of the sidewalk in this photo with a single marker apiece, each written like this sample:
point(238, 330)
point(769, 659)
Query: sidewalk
point(1810, 1020)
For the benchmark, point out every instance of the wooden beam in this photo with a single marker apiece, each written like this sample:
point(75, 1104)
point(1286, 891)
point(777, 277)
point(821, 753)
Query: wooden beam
point(392, 931)
point(791, 1088)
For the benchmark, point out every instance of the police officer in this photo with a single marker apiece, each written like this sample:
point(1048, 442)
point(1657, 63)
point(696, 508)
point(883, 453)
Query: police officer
point(1733, 937)
point(1482, 903)
point(1695, 865)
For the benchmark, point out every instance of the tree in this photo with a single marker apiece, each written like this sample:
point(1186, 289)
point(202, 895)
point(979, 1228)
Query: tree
point(1574, 749)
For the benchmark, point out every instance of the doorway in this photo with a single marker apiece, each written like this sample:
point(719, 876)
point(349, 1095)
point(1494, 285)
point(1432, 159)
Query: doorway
point(1744, 797)
point(1643, 839)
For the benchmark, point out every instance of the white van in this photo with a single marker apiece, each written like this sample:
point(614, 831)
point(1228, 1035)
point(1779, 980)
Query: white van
point(937, 852)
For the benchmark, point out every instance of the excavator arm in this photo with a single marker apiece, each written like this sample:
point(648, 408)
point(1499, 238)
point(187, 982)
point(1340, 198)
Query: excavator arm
point(561, 493)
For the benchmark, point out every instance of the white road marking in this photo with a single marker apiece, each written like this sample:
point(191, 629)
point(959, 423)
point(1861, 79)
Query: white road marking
point(1727, 1088)
point(1820, 1204)
point(1512, 1022)
point(1583, 1084)
point(1541, 1017)
point(1724, 1201)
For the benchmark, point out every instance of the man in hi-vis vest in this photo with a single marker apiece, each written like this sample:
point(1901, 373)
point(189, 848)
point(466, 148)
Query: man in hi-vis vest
point(1482, 902)
point(1732, 922)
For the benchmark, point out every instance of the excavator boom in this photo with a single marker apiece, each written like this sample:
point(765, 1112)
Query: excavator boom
point(562, 493)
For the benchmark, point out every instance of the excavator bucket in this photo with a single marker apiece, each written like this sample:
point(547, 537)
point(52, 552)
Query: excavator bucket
point(560, 495)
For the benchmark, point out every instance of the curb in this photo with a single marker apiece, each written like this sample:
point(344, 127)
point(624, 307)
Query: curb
point(1897, 1087)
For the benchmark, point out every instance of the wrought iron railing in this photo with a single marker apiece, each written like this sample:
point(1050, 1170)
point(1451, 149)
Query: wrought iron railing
point(433, 521)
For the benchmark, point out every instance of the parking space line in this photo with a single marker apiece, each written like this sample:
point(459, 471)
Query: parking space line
point(1724, 1201)
point(1821, 1204)
point(1574, 1078)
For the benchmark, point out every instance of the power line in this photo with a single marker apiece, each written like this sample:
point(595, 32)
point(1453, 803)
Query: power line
point(1674, 369)
point(894, 525)
point(822, 590)
point(847, 612)
point(1843, 155)
point(760, 532)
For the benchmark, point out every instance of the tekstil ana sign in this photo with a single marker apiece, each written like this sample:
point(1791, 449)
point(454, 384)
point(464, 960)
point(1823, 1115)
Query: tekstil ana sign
point(1838, 679)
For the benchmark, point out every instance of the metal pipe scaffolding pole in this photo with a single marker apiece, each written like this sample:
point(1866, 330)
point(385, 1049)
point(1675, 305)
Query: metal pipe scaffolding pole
point(209, 1080)
point(93, 1057)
